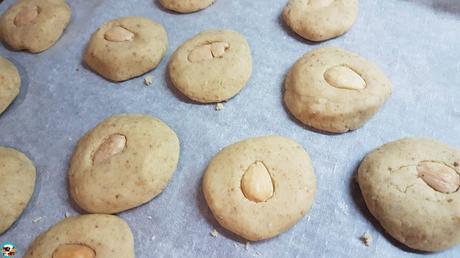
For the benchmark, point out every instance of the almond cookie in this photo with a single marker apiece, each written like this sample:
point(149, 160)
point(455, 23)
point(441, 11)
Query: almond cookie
point(34, 25)
point(87, 236)
point(186, 6)
point(126, 48)
point(122, 163)
point(260, 187)
point(211, 67)
point(10, 83)
point(412, 187)
point(319, 20)
point(17, 183)
point(335, 91)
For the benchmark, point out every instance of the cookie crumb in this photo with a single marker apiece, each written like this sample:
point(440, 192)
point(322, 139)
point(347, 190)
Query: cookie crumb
point(455, 164)
point(214, 233)
point(36, 220)
point(219, 106)
point(148, 80)
point(149, 217)
point(366, 239)
point(66, 214)
point(247, 245)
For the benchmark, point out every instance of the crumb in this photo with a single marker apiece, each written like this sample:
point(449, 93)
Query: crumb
point(258, 254)
point(366, 239)
point(247, 245)
point(153, 238)
point(235, 245)
point(149, 217)
point(455, 164)
point(214, 233)
point(219, 106)
point(67, 214)
point(148, 80)
point(36, 220)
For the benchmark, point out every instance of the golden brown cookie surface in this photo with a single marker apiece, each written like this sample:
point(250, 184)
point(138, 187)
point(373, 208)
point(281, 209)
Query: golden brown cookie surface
point(87, 236)
point(186, 6)
point(122, 163)
point(126, 48)
point(10, 83)
point(212, 66)
point(17, 184)
point(411, 186)
point(334, 90)
point(319, 20)
point(34, 25)
point(260, 187)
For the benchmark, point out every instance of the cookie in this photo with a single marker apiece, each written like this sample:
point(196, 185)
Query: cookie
point(122, 163)
point(335, 91)
point(186, 6)
point(260, 187)
point(10, 83)
point(17, 183)
point(212, 66)
point(85, 236)
point(126, 48)
point(319, 20)
point(34, 25)
point(411, 186)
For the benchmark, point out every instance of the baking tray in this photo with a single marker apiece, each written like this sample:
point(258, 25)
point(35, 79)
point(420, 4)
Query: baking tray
point(416, 43)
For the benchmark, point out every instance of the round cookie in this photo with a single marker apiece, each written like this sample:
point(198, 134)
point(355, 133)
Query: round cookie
point(319, 20)
point(34, 25)
point(186, 6)
point(212, 66)
point(412, 187)
point(85, 236)
point(335, 91)
point(260, 187)
point(10, 83)
point(17, 183)
point(122, 163)
point(126, 48)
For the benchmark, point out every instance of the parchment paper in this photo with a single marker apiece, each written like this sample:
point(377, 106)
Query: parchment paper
point(416, 43)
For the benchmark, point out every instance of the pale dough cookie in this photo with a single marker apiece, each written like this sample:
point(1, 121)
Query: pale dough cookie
point(186, 6)
point(87, 236)
point(211, 67)
point(126, 48)
point(412, 187)
point(260, 187)
point(335, 91)
point(10, 83)
point(17, 183)
point(319, 20)
point(122, 163)
point(34, 25)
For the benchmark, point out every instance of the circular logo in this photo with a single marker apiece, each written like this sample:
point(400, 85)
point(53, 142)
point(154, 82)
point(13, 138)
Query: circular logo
point(8, 249)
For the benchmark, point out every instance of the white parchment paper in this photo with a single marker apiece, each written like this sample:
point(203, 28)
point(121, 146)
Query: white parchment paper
point(416, 43)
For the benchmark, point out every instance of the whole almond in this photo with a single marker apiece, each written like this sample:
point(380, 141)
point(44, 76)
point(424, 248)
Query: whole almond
point(439, 176)
point(118, 34)
point(344, 77)
point(256, 183)
point(74, 251)
point(26, 16)
point(113, 145)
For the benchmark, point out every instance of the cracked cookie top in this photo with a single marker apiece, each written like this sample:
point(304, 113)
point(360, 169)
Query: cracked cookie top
point(412, 187)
